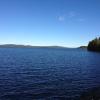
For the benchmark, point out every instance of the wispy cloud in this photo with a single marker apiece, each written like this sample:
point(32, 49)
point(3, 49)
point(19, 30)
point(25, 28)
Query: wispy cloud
point(72, 14)
point(76, 16)
point(81, 19)
point(61, 18)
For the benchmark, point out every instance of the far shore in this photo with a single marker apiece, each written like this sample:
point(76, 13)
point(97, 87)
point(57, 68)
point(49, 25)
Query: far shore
point(30, 46)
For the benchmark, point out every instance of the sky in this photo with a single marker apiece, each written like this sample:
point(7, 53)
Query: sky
point(69, 23)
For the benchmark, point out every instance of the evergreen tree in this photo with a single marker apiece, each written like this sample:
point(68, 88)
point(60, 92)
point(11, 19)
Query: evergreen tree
point(94, 45)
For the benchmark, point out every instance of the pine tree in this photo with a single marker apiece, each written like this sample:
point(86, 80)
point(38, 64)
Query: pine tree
point(94, 45)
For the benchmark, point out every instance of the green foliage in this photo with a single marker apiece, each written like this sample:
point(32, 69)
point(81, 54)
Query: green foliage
point(94, 45)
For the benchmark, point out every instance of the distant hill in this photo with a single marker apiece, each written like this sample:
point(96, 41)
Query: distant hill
point(83, 47)
point(30, 46)
point(27, 46)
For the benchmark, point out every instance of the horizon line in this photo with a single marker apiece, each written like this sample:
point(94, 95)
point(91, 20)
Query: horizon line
point(40, 45)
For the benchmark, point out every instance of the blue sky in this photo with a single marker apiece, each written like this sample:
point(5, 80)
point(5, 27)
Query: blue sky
point(68, 23)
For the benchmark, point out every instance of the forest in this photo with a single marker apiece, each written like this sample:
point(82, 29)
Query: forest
point(94, 45)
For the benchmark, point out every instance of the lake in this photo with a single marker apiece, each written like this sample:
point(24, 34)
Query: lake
point(47, 73)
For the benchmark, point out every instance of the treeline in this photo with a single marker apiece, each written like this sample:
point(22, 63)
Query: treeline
point(94, 45)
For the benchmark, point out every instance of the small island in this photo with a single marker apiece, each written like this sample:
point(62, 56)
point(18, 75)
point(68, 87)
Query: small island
point(94, 45)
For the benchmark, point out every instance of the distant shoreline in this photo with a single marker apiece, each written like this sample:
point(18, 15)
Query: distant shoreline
point(27, 46)
point(30, 46)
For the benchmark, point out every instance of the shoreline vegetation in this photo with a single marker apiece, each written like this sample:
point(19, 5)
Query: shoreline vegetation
point(83, 47)
point(94, 45)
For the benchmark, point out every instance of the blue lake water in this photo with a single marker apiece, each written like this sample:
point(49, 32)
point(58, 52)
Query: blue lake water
point(46, 73)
